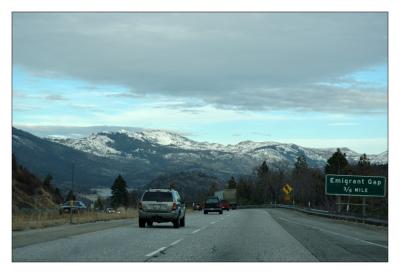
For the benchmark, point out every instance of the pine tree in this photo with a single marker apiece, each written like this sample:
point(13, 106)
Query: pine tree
point(119, 193)
point(364, 161)
point(244, 190)
point(59, 198)
point(301, 165)
point(262, 187)
point(337, 164)
point(364, 164)
point(47, 181)
point(262, 171)
point(70, 196)
point(99, 203)
point(213, 188)
point(232, 182)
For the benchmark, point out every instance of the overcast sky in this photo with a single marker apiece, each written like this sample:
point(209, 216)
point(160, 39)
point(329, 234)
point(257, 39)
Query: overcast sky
point(315, 79)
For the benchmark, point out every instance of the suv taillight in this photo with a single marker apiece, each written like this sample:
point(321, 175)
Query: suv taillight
point(140, 206)
point(173, 206)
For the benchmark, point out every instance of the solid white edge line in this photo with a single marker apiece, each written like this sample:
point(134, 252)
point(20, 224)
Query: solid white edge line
point(354, 238)
point(213, 222)
point(335, 233)
point(155, 252)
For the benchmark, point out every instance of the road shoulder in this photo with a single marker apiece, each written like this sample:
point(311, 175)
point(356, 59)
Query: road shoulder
point(34, 236)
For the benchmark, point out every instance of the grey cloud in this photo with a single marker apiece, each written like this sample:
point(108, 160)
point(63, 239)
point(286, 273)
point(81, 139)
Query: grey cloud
point(125, 95)
point(234, 60)
point(56, 97)
point(306, 98)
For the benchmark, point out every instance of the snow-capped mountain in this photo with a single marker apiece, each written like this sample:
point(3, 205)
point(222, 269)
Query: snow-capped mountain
point(141, 156)
point(108, 144)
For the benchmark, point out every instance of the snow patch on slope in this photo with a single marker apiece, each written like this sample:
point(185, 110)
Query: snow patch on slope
point(98, 144)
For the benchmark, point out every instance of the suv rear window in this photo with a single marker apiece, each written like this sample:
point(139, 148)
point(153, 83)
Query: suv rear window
point(212, 200)
point(158, 196)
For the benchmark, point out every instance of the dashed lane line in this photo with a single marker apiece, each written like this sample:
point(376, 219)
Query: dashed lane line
point(335, 233)
point(195, 231)
point(213, 222)
point(156, 251)
point(177, 241)
point(151, 254)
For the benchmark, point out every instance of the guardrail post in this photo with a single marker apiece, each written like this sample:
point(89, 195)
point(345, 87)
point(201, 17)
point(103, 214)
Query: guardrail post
point(339, 203)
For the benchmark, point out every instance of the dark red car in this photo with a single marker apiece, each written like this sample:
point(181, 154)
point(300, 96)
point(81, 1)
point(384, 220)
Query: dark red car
point(225, 205)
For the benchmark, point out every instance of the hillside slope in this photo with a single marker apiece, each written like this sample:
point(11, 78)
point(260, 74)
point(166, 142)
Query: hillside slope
point(30, 192)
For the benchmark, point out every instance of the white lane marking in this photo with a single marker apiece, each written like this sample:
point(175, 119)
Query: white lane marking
point(287, 220)
point(213, 222)
point(177, 241)
point(156, 251)
point(197, 230)
point(335, 233)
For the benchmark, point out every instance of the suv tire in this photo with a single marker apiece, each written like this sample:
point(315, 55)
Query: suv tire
point(176, 223)
point(142, 222)
point(149, 223)
point(205, 212)
point(182, 221)
point(220, 212)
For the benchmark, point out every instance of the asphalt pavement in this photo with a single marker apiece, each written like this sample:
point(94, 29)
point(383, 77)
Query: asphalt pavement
point(243, 235)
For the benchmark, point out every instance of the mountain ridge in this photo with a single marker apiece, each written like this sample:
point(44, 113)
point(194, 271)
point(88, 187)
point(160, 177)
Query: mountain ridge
point(142, 156)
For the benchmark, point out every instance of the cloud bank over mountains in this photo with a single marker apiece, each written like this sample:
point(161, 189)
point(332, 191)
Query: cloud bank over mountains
point(243, 61)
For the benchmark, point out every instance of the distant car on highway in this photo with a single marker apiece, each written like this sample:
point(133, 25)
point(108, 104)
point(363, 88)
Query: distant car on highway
point(225, 205)
point(197, 206)
point(212, 204)
point(111, 210)
point(161, 205)
point(75, 206)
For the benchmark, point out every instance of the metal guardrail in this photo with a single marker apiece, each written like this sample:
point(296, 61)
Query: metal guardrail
point(322, 213)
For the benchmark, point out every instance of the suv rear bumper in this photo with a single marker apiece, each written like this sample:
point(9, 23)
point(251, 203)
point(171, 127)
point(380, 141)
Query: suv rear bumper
point(215, 209)
point(158, 216)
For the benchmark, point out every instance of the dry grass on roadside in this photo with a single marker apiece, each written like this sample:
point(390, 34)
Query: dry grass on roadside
point(42, 219)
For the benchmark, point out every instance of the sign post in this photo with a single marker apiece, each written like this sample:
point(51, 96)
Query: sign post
point(364, 205)
point(287, 189)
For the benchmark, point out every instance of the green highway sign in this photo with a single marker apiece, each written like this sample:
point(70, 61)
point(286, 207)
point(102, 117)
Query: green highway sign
point(354, 185)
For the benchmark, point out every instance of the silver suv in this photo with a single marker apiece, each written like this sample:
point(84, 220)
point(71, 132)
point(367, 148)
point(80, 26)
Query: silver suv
point(161, 205)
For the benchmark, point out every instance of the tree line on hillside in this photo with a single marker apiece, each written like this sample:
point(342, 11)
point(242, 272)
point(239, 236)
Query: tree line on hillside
point(308, 184)
point(264, 186)
point(29, 192)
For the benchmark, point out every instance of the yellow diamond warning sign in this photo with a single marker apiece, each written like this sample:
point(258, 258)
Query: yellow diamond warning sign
point(287, 189)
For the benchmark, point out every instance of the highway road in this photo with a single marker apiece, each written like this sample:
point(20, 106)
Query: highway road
point(244, 235)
